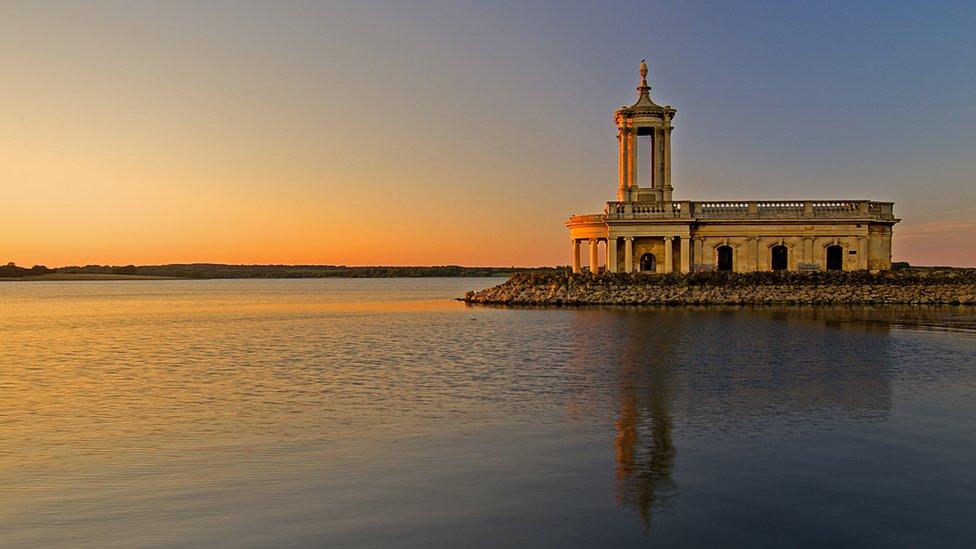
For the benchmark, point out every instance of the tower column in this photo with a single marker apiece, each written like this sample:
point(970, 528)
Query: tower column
point(656, 149)
point(685, 252)
point(576, 256)
point(667, 163)
point(621, 164)
point(632, 158)
point(594, 255)
point(629, 254)
point(668, 254)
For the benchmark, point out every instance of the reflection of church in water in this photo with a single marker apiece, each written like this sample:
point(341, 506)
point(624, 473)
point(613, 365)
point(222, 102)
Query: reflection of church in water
point(659, 384)
point(645, 230)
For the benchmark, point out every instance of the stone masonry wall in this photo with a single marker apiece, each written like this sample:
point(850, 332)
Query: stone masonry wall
point(906, 286)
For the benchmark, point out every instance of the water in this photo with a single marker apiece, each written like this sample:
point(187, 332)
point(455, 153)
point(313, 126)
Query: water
point(372, 413)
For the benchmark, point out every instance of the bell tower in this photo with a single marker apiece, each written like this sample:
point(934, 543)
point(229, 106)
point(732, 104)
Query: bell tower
point(644, 150)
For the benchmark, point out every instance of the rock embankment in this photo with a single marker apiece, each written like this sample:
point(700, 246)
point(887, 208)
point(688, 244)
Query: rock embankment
point(905, 286)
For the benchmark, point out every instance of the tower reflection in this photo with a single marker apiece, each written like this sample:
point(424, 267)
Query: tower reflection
point(658, 375)
point(645, 451)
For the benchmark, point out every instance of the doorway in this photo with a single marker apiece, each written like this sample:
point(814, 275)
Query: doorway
point(780, 258)
point(724, 258)
point(648, 263)
point(835, 258)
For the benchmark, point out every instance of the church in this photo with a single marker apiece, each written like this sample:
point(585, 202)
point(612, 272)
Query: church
point(646, 230)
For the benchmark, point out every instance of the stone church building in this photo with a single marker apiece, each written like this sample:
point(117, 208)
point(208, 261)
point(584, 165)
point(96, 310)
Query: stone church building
point(645, 230)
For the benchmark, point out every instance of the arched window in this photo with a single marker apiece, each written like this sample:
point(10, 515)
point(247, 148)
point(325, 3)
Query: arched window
point(835, 258)
point(724, 258)
point(648, 263)
point(779, 258)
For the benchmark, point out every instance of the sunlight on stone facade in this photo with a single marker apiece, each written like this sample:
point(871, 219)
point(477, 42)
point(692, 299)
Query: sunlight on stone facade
point(645, 230)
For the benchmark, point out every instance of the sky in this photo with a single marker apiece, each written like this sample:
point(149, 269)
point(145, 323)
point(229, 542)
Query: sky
point(466, 133)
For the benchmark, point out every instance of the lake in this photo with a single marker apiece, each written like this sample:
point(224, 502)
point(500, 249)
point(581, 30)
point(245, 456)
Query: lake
point(380, 413)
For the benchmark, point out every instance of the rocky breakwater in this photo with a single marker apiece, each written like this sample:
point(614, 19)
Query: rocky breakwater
point(906, 286)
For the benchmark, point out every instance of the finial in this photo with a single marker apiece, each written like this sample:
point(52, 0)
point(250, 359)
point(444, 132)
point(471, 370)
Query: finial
point(643, 91)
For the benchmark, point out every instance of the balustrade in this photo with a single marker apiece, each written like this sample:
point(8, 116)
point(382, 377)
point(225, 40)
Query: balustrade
point(786, 209)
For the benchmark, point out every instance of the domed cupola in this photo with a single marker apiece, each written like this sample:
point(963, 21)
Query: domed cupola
point(644, 136)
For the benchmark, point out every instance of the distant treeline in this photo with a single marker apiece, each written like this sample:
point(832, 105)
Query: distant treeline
point(215, 270)
point(11, 270)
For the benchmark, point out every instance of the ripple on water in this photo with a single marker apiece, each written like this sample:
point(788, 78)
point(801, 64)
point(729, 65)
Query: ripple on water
point(380, 412)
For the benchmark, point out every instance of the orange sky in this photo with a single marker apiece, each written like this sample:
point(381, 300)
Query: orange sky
point(348, 135)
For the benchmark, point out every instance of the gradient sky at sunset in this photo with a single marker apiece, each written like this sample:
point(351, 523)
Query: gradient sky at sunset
point(461, 133)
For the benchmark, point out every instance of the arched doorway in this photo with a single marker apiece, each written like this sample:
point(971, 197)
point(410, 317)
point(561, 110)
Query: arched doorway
point(780, 258)
point(648, 263)
point(835, 258)
point(724, 258)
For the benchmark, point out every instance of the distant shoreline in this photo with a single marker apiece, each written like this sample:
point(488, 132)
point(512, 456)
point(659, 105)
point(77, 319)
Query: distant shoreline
point(209, 271)
point(79, 276)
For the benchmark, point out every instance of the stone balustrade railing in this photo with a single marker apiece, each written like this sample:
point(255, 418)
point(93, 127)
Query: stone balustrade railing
point(750, 209)
point(648, 210)
point(584, 219)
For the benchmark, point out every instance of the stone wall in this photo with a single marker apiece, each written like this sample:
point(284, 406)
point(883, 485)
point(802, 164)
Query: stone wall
point(905, 286)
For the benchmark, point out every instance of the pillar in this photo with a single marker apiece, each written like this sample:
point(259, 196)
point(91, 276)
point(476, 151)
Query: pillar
point(684, 260)
point(656, 149)
point(637, 171)
point(749, 259)
point(620, 165)
point(887, 248)
point(698, 251)
point(594, 255)
point(631, 154)
point(576, 256)
point(668, 254)
point(872, 252)
point(612, 254)
point(862, 252)
point(667, 164)
point(629, 254)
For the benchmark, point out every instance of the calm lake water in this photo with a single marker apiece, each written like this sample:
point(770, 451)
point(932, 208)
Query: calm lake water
point(379, 413)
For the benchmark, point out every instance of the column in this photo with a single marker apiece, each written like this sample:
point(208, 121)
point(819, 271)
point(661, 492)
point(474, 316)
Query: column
point(755, 254)
point(871, 248)
point(667, 164)
point(698, 251)
point(612, 254)
point(576, 256)
point(656, 158)
point(668, 254)
point(594, 255)
point(749, 258)
point(631, 157)
point(808, 249)
point(887, 249)
point(684, 260)
point(862, 252)
point(621, 164)
point(629, 254)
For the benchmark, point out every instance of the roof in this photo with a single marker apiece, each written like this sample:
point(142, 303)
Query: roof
point(644, 104)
